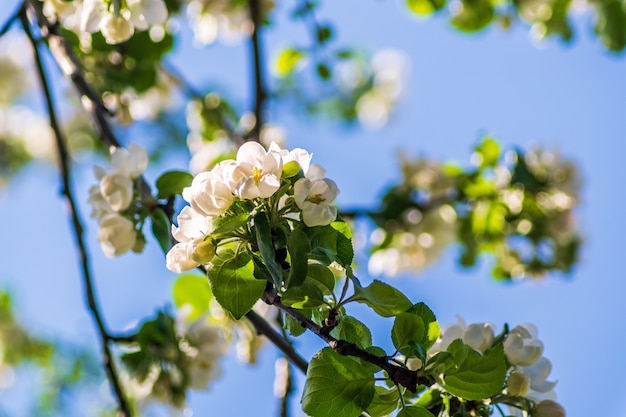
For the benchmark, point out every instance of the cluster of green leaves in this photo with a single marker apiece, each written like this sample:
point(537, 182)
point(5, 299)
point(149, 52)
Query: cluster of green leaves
point(547, 17)
point(157, 357)
point(503, 206)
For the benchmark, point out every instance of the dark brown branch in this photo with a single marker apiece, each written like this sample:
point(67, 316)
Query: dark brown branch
point(264, 328)
point(260, 92)
point(64, 167)
point(70, 66)
point(399, 375)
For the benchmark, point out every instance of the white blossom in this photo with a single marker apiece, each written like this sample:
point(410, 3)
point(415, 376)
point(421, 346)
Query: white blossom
point(538, 374)
point(193, 248)
point(521, 345)
point(518, 383)
point(116, 235)
point(146, 13)
point(478, 336)
point(117, 191)
point(256, 172)
point(207, 346)
point(131, 162)
point(99, 206)
point(316, 199)
point(208, 193)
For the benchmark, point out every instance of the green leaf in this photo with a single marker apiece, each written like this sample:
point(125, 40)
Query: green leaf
point(408, 329)
point(231, 275)
point(385, 401)
point(382, 298)
point(161, 227)
point(323, 71)
point(226, 224)
point(287, 61)
point(172, 183)
point(336, 386)
point(429, 398)
point(324, 33)
point(473, 15)
point(489, 151)
point(345, 251)
point(424, 7)
point(266, 248)
point(352, 330)
point(414, 411)
point(193, 292)
point(306, 295)
point(477, 376)
point(299, 247)
point(323, 276)
point(293, 326)
point(433, 331)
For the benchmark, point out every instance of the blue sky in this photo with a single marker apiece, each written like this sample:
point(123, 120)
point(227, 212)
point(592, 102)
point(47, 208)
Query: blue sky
point(565, 97)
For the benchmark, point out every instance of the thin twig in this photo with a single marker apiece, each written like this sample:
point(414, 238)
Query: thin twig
point(9, 22)
point(179, 79)
point(260, 92)
point(70, 65)
point(64, 166)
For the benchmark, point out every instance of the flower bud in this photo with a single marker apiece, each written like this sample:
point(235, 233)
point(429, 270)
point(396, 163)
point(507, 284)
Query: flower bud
point(117, 235)
point(201, 250)
point(548, 408)
point(518, 383)
point(115, 29)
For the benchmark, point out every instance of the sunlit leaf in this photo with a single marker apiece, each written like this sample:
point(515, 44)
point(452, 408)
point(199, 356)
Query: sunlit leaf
point(336, 386)
point(192, 292)
point(231, 275)
point(382, 298)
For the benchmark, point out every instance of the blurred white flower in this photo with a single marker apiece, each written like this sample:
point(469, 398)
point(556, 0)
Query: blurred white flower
point(207, 345)
point(116, 235)
point(117, 191)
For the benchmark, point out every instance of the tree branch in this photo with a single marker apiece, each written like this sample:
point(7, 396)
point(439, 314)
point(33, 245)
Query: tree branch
point(264, 328)
point(260, 92)
point(64, 167)
point(70, 66)
point(399, 375)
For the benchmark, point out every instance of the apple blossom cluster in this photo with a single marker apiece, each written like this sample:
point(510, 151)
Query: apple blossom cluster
point(117, 20)
point(112, 201)
point(528, 368)
point(188, 359)
point(424, 229)
point(255, 179)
